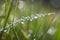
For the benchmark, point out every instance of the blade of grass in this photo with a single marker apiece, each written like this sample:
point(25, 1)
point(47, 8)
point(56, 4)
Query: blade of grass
point(7, 16)
point(49, 24)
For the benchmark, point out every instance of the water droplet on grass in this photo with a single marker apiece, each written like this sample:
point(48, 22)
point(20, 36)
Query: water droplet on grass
point(49, 14)
point(27, 18)
point(5, 30)
point(22, 22)
point(51, 31)
point(21, 4)
point(31, 19)
point(35, 17)
point(29, 35)
point(34, 39)
point(42, 15)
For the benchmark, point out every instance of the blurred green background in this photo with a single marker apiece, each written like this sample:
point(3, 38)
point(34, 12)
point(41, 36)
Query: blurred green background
point(29, 20)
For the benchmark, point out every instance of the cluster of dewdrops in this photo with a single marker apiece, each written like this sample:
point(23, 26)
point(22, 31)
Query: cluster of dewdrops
point(23, 19)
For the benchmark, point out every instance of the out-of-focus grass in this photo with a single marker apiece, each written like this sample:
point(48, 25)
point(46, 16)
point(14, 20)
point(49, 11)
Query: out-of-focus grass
point(30, 27)
point(7, 13)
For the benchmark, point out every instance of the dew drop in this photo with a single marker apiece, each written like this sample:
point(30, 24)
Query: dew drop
point(35, 17)
point(49, 13)
point(29, 35)
point(7, 26)
point(31, 19)
point(42, 15)
point(5, 30)
point(21, 4)
point(27, 18)
point(15, 19)
point(34, 39)
point(51, 31)
point(22, 22)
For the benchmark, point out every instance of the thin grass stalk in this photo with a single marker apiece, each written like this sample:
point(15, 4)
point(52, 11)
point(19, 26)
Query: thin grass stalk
point(13, 20)
point(6, 19)
point(46, 29)
point(17, 38)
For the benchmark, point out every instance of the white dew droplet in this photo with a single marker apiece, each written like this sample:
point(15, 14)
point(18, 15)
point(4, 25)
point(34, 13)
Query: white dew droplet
point(22, 22)
point(29, 35)
point(34, 35)
point(5, 30)
point(35, 17)
point(18, 20)
point(42, 15)
point(31, 19)
point(7, 26)
point(27, 18)
point(21, 4)
point(51, 31)
point(22, 19)
point(49, 13)
point(3, 6)
point(34, 39)
point(15, 19)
